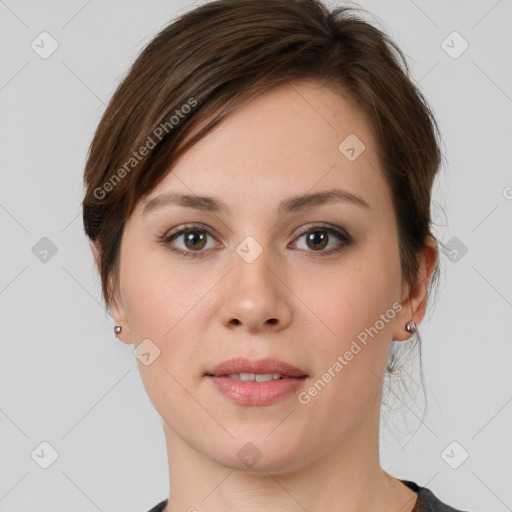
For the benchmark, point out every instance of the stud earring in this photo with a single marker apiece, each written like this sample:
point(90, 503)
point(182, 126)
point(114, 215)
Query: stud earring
point(117, 330)
point(411, 327)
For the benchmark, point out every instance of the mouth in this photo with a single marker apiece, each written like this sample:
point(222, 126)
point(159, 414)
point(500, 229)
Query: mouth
point(255, 377)
point(256, 382)
point(259, 370)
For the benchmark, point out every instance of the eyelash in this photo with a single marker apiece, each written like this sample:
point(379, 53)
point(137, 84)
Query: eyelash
point(191, 228)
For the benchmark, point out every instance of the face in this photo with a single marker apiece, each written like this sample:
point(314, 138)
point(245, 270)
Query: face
point(253, 274)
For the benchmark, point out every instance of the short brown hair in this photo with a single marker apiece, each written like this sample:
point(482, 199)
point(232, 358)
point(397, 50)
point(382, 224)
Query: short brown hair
point(218, 57)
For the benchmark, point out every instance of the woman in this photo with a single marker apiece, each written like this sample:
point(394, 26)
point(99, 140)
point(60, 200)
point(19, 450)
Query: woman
point(258, 205)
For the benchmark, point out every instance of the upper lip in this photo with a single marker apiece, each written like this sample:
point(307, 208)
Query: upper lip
point(242, 365)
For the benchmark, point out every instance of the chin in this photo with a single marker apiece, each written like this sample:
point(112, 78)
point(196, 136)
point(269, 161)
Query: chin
point(259, 454)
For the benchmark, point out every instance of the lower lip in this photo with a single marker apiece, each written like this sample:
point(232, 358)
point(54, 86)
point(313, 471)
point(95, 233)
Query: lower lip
point(256, 393)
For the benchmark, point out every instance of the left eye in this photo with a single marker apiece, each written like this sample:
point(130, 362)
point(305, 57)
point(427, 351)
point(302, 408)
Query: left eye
point(318, 237)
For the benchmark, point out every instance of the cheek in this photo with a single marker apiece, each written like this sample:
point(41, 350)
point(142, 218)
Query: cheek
point(357, 307)
point(171, 308)
point(156, 296)
point(159, 306)
point(347, 300)
point(145, 298)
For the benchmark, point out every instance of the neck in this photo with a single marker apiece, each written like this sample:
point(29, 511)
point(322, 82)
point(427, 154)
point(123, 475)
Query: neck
point(346, 478)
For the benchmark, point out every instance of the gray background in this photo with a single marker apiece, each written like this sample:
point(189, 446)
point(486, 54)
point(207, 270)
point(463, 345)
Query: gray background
point(65, 380)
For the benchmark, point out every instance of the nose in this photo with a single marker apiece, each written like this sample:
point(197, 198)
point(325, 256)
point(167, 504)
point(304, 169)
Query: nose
point(256, 296)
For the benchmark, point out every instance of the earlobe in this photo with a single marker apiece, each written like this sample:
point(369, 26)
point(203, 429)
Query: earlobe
point(120, 328)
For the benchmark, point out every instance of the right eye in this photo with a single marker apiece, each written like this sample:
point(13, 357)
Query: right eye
point(193, 238)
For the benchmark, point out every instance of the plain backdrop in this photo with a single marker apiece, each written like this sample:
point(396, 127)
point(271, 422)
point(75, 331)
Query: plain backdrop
point(71, 398)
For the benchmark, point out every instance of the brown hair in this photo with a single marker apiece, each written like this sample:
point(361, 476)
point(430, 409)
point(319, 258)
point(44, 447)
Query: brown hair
point(216, 58)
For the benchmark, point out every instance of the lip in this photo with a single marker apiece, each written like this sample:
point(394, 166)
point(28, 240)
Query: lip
point(256, 393)
point(252, 392)
point(244, 365)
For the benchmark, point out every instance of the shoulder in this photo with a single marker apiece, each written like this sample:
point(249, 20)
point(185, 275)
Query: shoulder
point(427, 501)
point(160, 507)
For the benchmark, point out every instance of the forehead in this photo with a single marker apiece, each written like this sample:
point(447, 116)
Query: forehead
point(297, 111)
point(294, 139)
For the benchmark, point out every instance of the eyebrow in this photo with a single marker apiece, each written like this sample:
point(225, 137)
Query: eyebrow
point(293, 204)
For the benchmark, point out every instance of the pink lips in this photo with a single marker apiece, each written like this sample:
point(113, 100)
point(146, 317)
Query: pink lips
point(243, 365)
point(252, 392)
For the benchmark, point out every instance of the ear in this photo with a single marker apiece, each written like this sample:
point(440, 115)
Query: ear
point(116, 308)
point(414, 303)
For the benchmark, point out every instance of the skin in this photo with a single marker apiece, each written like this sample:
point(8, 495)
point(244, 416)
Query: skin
point(323, 455)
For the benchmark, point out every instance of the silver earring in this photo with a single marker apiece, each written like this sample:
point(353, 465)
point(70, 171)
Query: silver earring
point(411, 327)
point(117, 330)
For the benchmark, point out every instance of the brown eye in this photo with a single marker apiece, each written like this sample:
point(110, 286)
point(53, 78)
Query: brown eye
point(317, 240)
point(319, 237)
point(194, 240)
point(189, 241)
